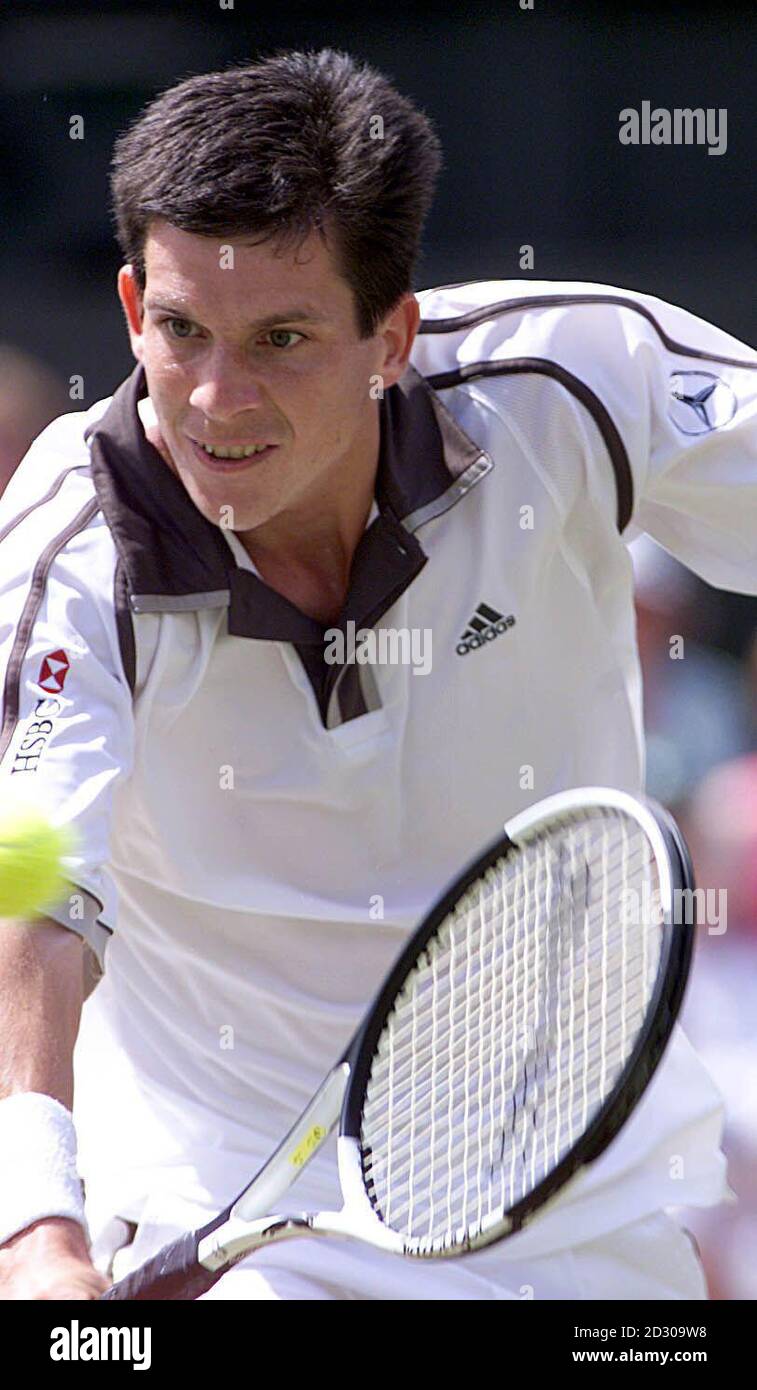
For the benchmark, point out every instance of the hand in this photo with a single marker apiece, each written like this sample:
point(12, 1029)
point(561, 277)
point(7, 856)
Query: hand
point(49, 1260)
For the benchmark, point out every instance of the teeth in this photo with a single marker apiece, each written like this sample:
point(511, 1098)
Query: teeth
point(240, 453)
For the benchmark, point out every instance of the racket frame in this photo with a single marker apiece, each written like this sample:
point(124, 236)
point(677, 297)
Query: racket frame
point(675, 872)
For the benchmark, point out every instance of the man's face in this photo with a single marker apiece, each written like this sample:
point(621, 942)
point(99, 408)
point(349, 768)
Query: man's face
point(264, 353)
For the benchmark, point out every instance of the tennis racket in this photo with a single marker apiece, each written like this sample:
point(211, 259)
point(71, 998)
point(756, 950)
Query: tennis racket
point(506, 1048)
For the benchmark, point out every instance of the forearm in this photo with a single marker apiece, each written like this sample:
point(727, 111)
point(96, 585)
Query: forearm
point(41, 995)
point(41, 991)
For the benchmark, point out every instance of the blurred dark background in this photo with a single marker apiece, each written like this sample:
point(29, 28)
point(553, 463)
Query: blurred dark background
point(527, 104)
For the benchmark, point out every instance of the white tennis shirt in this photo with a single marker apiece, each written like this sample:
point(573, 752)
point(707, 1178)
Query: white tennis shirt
point(260, 830)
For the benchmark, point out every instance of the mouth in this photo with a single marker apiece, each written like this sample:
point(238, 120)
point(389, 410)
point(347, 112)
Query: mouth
point(231, 459)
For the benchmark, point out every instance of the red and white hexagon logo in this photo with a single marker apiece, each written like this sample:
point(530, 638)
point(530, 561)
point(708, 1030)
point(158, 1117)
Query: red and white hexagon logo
point(53, 672)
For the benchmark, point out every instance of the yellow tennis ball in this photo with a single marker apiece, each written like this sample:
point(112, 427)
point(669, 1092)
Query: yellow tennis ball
point(31, 873)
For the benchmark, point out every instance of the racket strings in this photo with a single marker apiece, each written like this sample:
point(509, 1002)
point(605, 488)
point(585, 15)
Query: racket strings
point(511, 1029)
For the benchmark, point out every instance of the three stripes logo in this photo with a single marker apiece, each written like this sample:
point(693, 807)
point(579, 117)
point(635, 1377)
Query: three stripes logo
point(485, 626)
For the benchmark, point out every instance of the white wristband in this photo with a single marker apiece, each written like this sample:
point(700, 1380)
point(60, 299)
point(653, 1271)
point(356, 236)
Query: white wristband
point(38, 1176)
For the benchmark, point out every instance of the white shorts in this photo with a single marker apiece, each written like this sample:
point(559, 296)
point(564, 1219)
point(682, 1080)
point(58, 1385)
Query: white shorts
point(653, 1258)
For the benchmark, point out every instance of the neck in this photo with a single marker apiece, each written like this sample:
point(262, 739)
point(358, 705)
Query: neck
point(306, 554)
point(315, 574)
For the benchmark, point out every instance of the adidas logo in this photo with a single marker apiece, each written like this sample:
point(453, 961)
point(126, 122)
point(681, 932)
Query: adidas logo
point(485, 625)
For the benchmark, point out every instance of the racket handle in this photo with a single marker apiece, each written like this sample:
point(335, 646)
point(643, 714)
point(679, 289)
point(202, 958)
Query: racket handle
point(172, 1274)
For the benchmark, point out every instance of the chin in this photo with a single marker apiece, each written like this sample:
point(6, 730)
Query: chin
point(213, 496)
point(223, 511)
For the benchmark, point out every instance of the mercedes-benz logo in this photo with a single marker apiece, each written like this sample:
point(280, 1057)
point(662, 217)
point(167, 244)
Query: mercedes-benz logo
point(700, 402)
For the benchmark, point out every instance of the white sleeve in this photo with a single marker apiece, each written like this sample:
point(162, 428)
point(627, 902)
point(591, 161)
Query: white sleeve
point(683, 396)
point(66, 725)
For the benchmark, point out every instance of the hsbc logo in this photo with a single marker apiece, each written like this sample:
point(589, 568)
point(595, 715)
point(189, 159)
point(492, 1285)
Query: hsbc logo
point(53, 671)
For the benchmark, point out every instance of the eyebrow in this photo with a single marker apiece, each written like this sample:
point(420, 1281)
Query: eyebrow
point(298, 314)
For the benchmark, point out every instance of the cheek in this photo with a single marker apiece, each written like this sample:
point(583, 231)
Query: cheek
point(341, 402)
point(167, 382)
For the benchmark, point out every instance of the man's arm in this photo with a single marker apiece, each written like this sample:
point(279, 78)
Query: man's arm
point(661, 422)
point(41, 993)
point(71, 745)
point(683, 396)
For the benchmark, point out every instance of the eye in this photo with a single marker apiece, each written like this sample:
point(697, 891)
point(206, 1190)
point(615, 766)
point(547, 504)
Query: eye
point(286, 333)
point(172, 324)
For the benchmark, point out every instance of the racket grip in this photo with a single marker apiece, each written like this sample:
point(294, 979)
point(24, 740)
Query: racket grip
point(173, 1274)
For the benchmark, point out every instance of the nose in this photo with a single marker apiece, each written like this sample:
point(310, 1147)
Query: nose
point(227, 386)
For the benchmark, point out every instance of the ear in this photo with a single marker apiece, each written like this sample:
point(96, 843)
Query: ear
point(398, 332)
point(131, 301)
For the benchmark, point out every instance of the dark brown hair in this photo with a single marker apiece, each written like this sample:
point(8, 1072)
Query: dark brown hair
point(297, 142)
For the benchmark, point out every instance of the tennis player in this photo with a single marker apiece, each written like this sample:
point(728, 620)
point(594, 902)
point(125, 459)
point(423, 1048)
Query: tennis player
point(335, 583)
